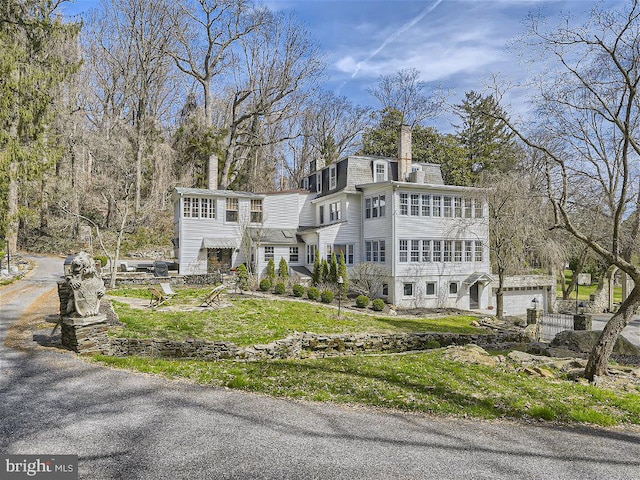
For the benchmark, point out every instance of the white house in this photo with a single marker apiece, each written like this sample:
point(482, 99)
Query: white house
point(431, 237)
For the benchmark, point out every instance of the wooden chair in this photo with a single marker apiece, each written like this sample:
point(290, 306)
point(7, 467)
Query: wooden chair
point(214, 296)
point(160, 294)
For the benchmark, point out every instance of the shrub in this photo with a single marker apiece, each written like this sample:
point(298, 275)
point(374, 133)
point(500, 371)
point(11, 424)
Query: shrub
point(316, 277)
point(102, 259)
point(362, 301)
point(313, 293)
point(283, 269)
point(243, 277)
point(265, 284)
point(298, 290)
point(378, 305)
point(327, 296)
point(271, 269)
point(280, 288)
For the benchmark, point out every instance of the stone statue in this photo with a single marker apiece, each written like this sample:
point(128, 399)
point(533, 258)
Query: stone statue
point(86, 286)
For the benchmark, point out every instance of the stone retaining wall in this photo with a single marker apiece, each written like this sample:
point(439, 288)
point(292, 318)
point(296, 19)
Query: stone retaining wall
point(307, 345)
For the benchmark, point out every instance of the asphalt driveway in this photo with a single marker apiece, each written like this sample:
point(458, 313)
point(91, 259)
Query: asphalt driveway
point(131, 426)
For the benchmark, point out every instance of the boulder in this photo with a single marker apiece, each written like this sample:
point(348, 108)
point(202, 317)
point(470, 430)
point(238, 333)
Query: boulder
point(583, 342)
point(470, 354)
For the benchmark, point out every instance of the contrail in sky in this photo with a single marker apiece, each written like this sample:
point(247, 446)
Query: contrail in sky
point(396, 34)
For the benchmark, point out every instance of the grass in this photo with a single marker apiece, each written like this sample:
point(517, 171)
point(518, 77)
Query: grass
point(259, 320)
point(424, 382)
point(585, 291)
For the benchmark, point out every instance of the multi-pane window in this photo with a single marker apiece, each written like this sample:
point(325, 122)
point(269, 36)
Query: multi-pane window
point(404, 249)
point(415, 205)
point(436, 203)
point(256, 210)
point(478, 252)
point(269, 253)
point(446, 210)
point(367, 208)
point(186, 207)
point(195, 208)
point(448, 247)
point(415, 250)
point(426, 205)
point(457, 206)
point(468, 251)
point(208, 209)
point(431, 289)
point(347, 250)
point(380, 172)
point(437, 251)
point(477, 210)
point(468, 208)
point(426, 250)
point(311, 253)
point(333, 175)
point(404, 204)
point(232, 210)
point(382, 205)
point(293, 254)
point(457, 252)
point(335, 211)
point(374, 207)
point(374, 251)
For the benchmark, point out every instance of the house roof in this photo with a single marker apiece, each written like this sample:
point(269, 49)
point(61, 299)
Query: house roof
point(276, 236)
point(477, 277)
point(216, 193)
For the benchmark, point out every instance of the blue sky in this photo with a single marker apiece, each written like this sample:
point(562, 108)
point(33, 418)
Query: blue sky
point(455, 44)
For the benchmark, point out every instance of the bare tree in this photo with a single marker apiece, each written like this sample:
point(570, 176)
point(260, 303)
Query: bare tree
point(587, 134)
point(403, 91)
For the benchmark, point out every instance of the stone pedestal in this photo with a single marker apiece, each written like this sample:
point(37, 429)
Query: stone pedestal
point(582, 322)
point(86, 334)
point(534, 315)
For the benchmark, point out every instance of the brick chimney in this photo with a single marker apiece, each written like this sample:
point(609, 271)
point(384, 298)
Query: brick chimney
point(404, 153)
point(212, 173)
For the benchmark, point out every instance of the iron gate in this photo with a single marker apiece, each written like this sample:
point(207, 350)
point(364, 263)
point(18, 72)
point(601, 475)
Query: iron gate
point(553, 323)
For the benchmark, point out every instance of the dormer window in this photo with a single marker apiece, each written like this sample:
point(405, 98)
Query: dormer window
point(333, 175)
point(380, 172)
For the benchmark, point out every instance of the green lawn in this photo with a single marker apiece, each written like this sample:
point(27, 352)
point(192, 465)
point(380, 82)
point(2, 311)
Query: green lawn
point(259, 320)
point(585, 291)
point(424, 382)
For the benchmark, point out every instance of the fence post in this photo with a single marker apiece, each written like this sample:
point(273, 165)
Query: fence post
point(582, 322)
point(534, 315)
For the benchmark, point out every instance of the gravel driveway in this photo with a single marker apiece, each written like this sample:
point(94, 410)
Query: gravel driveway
point(131, 426)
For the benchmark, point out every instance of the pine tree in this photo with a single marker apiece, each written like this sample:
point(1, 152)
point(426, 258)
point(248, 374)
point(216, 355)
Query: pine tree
point(326, 271)
point(316, 276)
point(271, 269)
point(283, 269)
point(333, 269)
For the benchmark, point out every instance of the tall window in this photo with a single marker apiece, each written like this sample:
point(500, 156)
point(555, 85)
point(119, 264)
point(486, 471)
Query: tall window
point(348, 252)
point(321, 214)
point(457, 252)
point(415, 250)
point(256, 210)
point(367, 208)
point(457, 206)
point(319, 182)
point(383, 206)
point(404, 204)
point(468, 251)
point(446, 210)
point(426, 250)
point(333, 174)
point(186, 207)
point(477, 210)
point(195, 207)
point(293, 254)
point(415, 204)
point(478, 256)
point(468, 208)
point(437, 251)
point(404, 249)
point(311, 253)
point(269, 253)
point(232, 210)
point(426, 205)
point(448, 246)
point(435, 209)
point(380, 172)
point(335, 213)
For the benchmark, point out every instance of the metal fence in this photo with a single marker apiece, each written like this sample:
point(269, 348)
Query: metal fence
point(553, 323)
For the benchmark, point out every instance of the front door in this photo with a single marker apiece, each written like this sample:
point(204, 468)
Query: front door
point(473, 296)
point(219, 260)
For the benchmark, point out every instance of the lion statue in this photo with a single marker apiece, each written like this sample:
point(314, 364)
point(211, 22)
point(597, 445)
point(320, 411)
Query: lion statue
point(86, 285)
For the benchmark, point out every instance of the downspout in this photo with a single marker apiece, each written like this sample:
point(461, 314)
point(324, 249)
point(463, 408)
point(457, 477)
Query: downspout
point(394, 257)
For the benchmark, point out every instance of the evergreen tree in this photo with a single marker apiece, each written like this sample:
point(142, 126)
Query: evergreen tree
point(283, 269)
point(489, 144)
point(34, 62)
point(243, 277)
point(326, 271)
point(271, 269)
point(333, 268)
point(316, 276)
